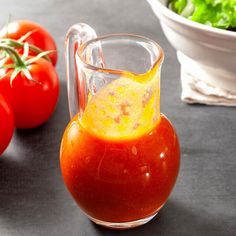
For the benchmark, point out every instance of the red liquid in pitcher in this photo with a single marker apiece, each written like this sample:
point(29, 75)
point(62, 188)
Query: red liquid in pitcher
point(120, 180)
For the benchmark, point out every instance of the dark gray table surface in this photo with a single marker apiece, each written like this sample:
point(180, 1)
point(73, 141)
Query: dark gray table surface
point(33, 198)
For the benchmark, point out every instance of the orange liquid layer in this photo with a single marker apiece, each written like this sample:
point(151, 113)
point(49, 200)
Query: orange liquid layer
point(120, 180)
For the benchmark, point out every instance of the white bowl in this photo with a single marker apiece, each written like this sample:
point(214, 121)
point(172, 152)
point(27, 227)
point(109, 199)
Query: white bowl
point(204, 52)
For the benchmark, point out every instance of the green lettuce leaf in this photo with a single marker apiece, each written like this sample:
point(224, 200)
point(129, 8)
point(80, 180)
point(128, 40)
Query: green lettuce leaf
point(215, 13)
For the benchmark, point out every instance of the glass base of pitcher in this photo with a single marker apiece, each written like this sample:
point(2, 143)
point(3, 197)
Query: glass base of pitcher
point(123, 225)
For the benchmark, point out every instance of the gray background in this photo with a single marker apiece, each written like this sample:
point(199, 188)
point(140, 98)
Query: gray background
point(33, 199)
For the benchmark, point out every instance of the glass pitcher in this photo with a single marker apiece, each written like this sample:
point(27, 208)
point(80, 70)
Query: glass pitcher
point(119, 155)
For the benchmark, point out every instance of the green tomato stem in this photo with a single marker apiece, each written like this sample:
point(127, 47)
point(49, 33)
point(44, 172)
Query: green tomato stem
point(17, 44)
point(13, 54)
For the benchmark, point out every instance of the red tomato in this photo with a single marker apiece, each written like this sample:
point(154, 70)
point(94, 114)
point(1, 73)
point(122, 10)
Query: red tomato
point(33, 101)
point(6, 123)
point(40, 37)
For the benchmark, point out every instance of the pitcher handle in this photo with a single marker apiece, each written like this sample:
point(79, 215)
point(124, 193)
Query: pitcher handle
point(76, 35)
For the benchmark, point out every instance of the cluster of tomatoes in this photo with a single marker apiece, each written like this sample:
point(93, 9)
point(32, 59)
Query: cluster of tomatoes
point(29, 84)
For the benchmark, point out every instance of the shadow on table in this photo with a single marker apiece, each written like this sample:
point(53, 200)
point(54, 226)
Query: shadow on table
point(31, 188)
point(173, 219)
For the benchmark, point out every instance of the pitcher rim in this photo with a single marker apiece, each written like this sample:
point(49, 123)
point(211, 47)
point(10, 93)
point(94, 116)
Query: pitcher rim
point(158, 61)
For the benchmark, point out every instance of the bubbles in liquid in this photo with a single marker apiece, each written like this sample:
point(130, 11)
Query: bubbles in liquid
point(124, 108)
